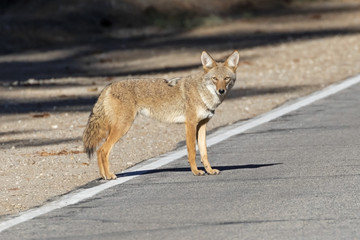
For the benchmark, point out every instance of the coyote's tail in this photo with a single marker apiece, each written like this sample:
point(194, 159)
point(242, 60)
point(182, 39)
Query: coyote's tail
point(96, 128)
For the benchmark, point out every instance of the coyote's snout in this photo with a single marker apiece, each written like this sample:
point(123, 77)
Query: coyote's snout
point(191, 100)
point(221, 85)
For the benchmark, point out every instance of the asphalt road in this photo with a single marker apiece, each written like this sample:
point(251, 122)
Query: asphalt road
point(296, 177)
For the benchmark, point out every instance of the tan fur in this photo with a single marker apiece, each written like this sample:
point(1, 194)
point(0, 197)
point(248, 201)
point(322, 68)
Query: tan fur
point(191, 100)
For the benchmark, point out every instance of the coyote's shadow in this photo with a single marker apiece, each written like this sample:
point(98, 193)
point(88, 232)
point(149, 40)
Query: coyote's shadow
point(187, 169)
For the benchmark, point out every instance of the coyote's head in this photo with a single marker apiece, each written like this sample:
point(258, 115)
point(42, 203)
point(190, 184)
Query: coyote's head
point(221, 76)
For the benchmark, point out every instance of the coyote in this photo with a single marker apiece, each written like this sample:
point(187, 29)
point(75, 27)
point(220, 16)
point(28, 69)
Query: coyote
point(191, 100)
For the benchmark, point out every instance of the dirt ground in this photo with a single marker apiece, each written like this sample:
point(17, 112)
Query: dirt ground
point(46, 95)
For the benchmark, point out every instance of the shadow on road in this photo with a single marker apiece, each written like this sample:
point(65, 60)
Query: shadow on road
point(221, 168)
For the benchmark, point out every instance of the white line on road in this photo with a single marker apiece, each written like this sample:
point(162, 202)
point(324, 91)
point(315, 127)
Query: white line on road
point(151, 164)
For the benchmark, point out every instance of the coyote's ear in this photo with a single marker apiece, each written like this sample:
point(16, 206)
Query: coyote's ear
point(207, 61)
point(233, 60)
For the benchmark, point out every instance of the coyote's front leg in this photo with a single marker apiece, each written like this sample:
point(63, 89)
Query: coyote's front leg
point(201, 137)
point(191, 147)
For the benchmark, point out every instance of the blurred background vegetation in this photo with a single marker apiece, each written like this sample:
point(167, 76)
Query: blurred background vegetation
point(40, 23)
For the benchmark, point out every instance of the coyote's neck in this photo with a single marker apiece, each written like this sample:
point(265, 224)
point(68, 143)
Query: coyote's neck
point(210, 98)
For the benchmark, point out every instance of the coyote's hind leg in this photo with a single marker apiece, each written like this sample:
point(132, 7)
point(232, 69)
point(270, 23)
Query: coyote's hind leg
point(117, 130)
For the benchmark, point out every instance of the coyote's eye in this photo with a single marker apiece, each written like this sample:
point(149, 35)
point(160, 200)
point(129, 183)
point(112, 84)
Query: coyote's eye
point(227, 79)
point(214, 79)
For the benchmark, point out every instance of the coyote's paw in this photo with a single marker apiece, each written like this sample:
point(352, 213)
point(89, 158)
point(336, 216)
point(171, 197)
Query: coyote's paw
point(213, 171)
point(109, 176)
point(198, 172)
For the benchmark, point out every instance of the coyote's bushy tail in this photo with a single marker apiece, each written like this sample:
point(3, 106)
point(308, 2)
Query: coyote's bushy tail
point(96, 128)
